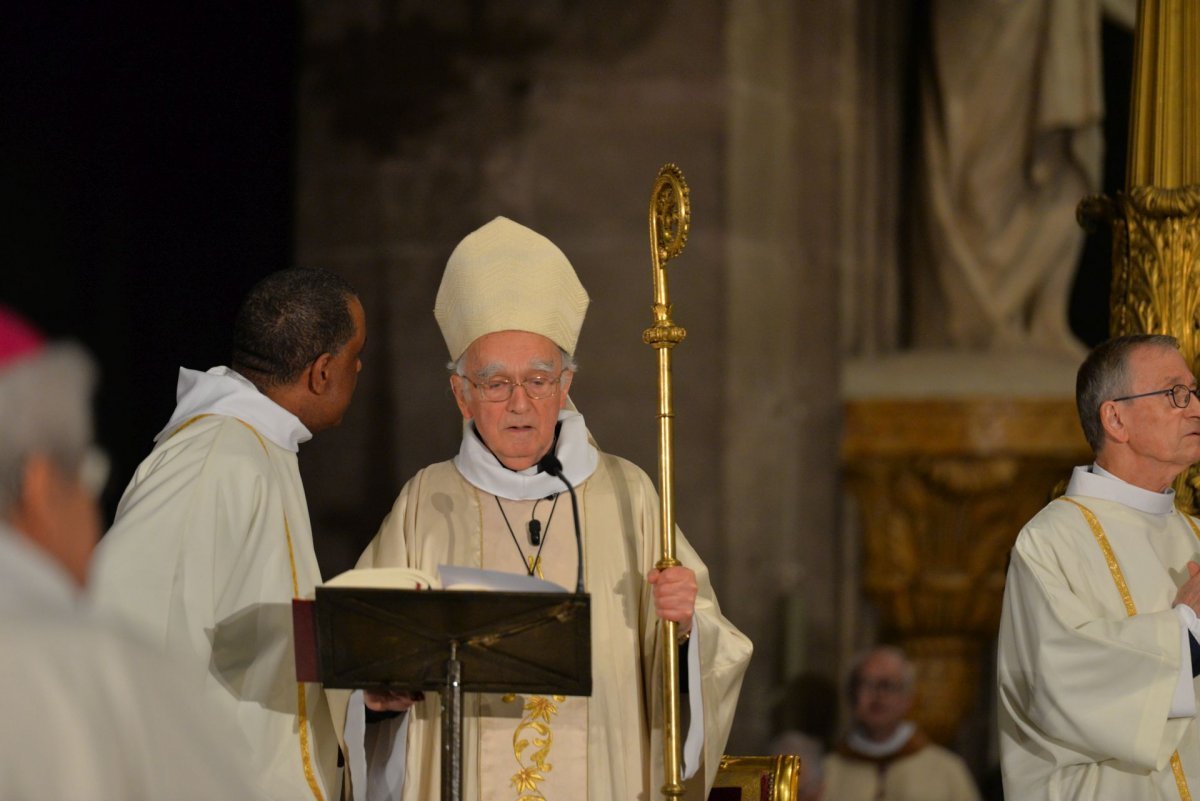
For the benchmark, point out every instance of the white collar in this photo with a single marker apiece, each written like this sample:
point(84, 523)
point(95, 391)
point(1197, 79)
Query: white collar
point(480, 466)
point(1096, 482)
point(31, 580)
point(224, 392)
point(859, 742)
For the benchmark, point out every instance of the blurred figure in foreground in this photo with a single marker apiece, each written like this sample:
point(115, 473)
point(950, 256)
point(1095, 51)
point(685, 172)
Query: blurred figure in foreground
point(89, 714)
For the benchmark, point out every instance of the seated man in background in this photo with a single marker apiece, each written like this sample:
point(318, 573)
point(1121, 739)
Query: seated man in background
point(885, 756)
point(89, 714)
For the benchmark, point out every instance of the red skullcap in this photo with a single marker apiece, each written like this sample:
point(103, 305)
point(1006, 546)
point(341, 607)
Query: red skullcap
point(18, 339)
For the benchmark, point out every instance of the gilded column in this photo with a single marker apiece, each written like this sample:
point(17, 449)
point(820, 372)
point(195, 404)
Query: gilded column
point(1156, 220)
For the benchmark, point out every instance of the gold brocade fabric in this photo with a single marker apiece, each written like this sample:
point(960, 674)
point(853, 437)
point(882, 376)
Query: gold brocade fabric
point(531, 747)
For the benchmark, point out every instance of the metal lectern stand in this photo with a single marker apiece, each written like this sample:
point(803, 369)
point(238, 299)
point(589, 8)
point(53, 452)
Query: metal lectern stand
point(450, 642)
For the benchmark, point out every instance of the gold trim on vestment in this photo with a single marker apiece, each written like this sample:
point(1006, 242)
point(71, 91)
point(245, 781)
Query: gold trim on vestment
point(1111, 558)
point(310, 774)
point(1119, 579)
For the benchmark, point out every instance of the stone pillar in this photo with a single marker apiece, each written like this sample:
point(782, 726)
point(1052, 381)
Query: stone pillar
point(780, 406)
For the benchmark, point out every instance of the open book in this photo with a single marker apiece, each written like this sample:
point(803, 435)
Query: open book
point(450, 577)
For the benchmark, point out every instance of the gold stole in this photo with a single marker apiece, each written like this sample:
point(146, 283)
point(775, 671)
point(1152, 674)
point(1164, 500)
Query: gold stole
point(1130, 609)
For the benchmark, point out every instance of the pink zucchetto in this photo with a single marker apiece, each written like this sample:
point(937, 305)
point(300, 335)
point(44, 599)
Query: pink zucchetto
point(505, 277)
point(18, 339)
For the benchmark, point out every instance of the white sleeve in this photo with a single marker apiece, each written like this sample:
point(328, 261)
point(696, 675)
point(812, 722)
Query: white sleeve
point(694, 742)
point(376, 752)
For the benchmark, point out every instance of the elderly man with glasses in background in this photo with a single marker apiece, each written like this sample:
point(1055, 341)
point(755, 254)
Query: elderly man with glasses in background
point(885, 756)
point(510, 308)
point(1099, 635)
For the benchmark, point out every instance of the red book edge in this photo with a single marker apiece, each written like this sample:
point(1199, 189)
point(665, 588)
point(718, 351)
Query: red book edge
point(304, 627)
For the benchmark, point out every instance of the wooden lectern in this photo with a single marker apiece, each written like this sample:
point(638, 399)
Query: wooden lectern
point(449, 641)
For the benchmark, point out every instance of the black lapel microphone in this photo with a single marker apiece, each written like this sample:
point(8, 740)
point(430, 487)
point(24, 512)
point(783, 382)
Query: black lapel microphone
point(550, 464)
point(535, 532)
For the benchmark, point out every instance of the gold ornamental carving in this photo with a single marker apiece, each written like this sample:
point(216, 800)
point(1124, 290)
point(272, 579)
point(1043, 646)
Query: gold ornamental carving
point(1155, 222)
point(943, 487)
point(1156, 276)
point(1156, 261)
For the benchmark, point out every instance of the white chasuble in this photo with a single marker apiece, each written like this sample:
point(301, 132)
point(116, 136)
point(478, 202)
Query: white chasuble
point(1085, 686)
point(606, 747)
point(211, 543)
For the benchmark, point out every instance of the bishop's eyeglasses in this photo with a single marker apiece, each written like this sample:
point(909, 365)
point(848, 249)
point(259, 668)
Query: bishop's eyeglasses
point(1181, 396)
point(537, 387)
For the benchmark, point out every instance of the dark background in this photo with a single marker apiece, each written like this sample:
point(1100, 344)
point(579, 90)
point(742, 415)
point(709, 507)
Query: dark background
point(146, 182)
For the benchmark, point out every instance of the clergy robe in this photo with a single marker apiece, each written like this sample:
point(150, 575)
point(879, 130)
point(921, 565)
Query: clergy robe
point(211, 543)
point(441, 518)
point(916, 770)
point(1085, 687)
point(91, 714)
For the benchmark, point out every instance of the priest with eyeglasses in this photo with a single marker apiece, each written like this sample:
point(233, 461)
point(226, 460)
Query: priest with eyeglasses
point(510, 308)
point(1099, 638)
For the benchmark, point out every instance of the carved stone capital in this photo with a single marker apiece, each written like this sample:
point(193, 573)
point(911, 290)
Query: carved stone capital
point(1156, 276)
point(943, 488)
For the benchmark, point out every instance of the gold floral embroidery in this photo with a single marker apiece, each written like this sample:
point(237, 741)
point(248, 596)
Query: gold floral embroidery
point(533, 732)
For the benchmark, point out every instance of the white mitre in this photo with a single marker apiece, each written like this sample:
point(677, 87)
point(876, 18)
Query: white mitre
point(505, 277)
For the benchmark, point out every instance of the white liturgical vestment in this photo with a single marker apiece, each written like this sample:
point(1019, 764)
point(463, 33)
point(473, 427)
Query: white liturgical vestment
point(211, 543)
point(1092, 655)
point(89, 713)
point(603, 748)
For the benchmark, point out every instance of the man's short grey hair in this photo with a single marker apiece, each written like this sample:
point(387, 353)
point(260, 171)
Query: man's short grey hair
point(1104, 375)
point(45, 407)
point(459, 367)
